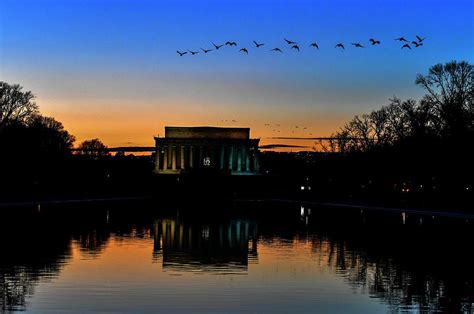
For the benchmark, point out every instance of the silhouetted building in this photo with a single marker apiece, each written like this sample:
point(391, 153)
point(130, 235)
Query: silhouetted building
point(225, 150)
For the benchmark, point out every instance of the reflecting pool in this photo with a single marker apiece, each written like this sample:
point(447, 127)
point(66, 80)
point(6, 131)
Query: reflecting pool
point(141, 256)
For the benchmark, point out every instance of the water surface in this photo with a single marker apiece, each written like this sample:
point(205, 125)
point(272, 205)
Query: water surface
point(144, 257)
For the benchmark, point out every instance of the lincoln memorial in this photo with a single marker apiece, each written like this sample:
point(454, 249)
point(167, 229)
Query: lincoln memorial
point(199, 149)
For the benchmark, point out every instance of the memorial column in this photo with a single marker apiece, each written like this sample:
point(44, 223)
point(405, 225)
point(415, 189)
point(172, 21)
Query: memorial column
point(239, 159)
point(231, 157)
point(247, 159)
point(182, 166)
point(222, 157)
point(165, 158)
point(173, 158)
point(191, 156)
point(255, 159)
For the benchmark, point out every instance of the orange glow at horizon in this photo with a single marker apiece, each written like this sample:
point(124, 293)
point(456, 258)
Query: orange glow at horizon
point(118, 125)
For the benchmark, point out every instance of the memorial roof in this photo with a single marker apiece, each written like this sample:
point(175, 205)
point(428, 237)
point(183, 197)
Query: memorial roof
point(206, 132)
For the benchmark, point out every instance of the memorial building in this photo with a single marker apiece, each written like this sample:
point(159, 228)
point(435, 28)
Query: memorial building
point(228, 151)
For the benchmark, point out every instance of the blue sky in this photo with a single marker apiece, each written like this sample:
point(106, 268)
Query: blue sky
point(115, 61)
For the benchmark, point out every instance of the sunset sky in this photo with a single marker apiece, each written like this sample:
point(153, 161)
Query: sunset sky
point(109, 69)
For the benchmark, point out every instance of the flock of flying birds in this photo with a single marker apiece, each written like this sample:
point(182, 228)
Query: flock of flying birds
point(276, 128)
point(294, 45)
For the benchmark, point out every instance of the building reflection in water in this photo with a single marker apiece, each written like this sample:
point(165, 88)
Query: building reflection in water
point(392, 258)
point(222, 247)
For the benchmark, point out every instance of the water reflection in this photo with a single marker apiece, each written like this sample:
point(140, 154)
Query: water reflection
point(424, 267)
point(93, 242)
point(305, 258)
point(395, 282)
point(28, 256)
point(218, 247)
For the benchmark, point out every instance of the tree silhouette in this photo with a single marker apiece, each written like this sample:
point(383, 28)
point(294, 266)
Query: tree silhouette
point(450, 91)
point(446, 110)
point(15, 105)
point(34, 149)
point(49, 135)
point(23, 130)
point(93, 148)
point(424, 144)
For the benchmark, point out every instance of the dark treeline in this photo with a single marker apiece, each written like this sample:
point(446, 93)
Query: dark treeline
point(25, 133)
point(443, 117)
point(422, 149)
point(38, 162)
point(31, 145)
point(409, 152)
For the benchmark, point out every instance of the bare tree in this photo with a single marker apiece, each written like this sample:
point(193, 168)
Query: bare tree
point(450, 90)
point(447, 108)
point(15, 105)
point(325, 146)
point(386, 126)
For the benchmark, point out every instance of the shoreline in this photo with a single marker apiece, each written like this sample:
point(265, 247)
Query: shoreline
point(70, 201)
point(335, 205)
point(373, 208)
